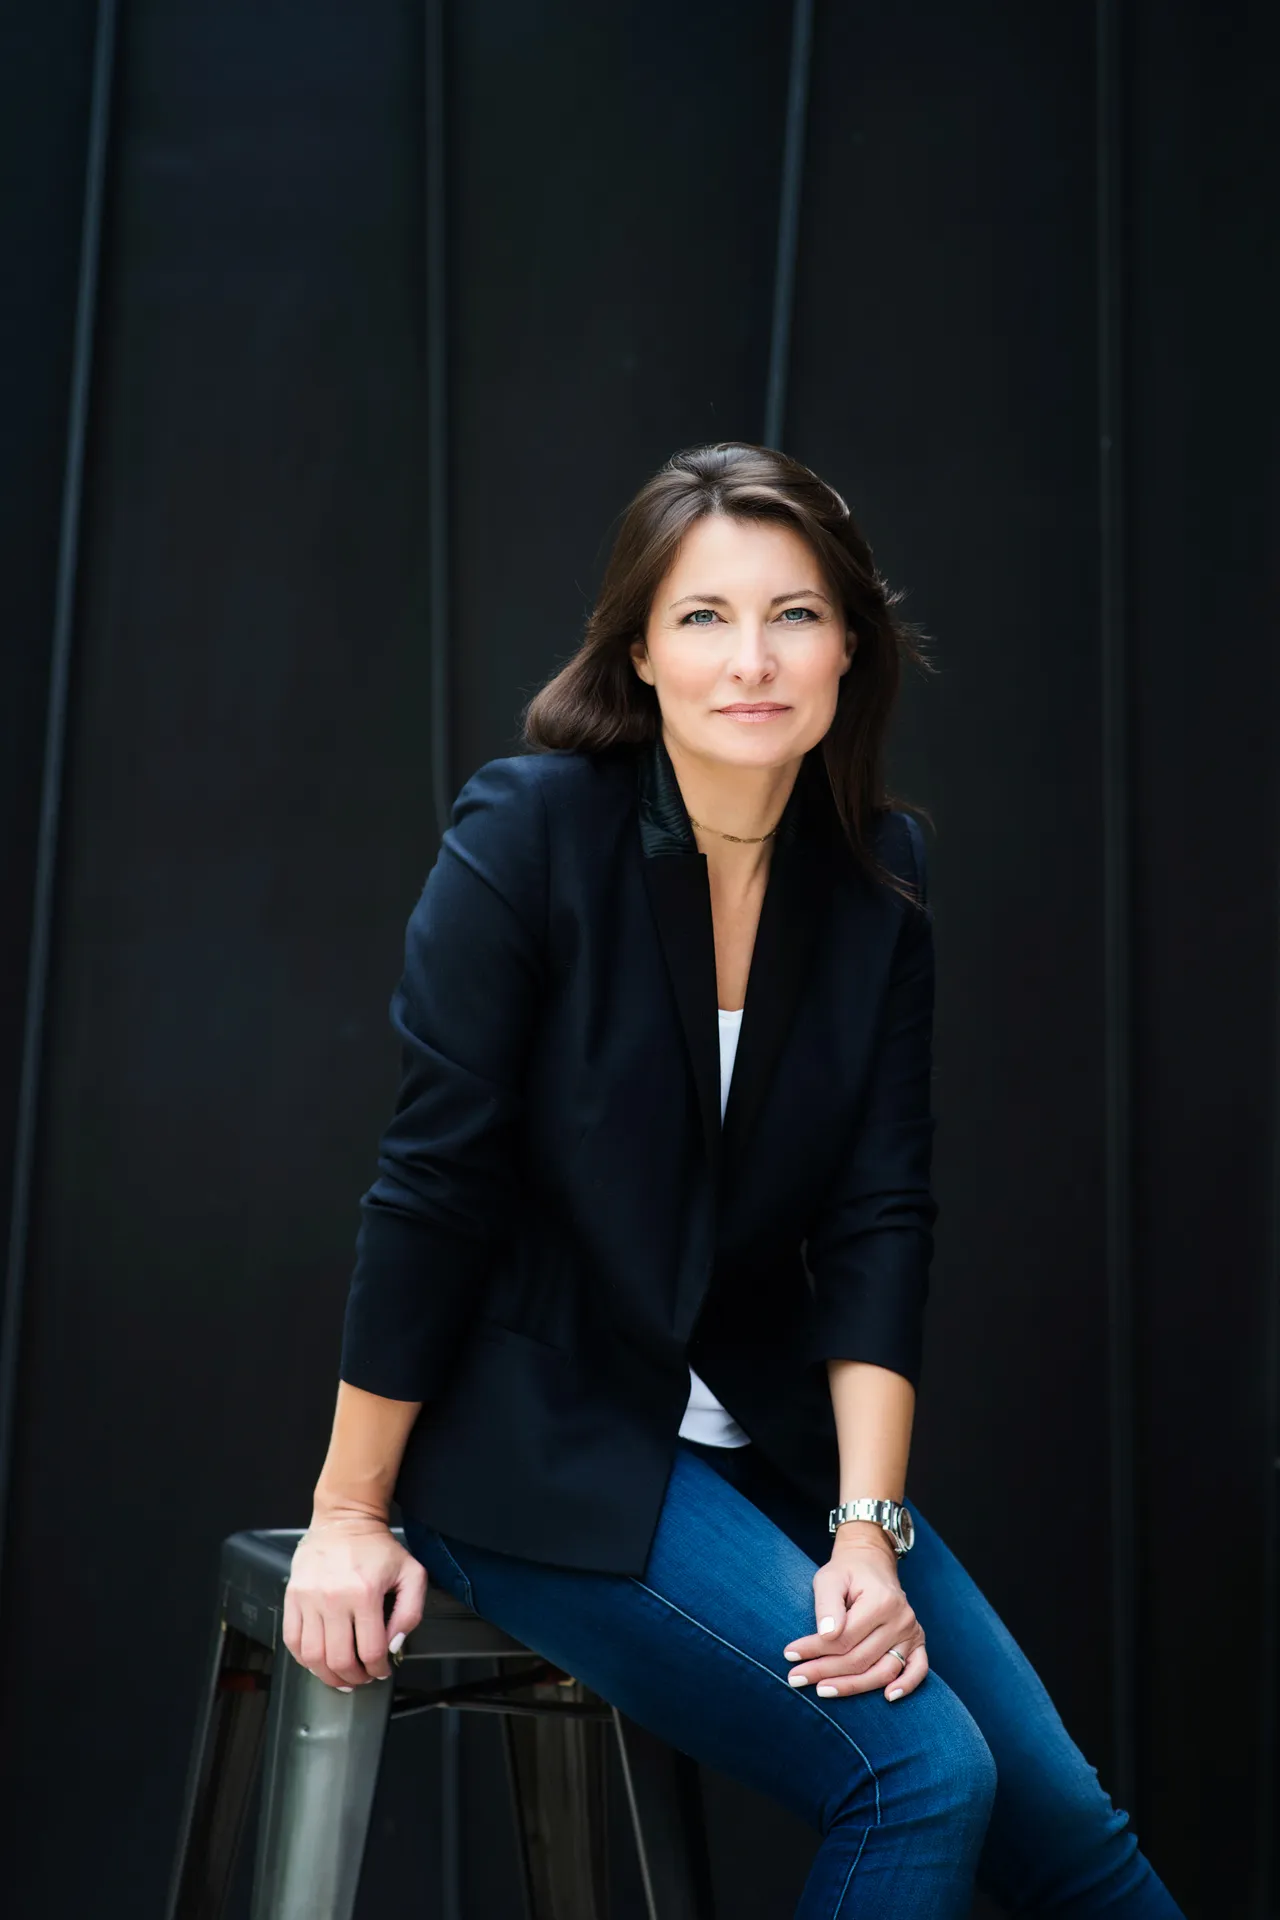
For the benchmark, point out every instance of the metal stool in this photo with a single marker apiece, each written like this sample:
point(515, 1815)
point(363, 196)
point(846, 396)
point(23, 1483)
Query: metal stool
point(322, 1751)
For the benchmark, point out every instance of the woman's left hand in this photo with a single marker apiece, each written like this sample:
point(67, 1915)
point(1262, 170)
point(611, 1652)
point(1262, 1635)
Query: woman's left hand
point(859, 1602)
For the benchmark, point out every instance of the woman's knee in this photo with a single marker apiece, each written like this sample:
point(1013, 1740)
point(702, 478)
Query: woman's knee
point(970, 1775)
point(954, 1772)
point(942, 1775)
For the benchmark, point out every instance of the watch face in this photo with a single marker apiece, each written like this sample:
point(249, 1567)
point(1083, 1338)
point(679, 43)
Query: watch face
point(907, 1528)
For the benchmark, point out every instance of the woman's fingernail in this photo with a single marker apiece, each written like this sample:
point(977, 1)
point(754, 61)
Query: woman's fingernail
point(397, 1643)
point(797, 1679)
point(790, 1654)
point(895, 1693)
point(345, 1689)
point(827, 1692)
point(827, 1626)
point(382, 1676)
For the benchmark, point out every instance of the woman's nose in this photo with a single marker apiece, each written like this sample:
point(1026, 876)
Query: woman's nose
point(751, 655)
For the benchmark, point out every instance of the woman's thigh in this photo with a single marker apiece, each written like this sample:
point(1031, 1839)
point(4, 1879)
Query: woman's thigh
point(1055, 1842)
point(694, 1651)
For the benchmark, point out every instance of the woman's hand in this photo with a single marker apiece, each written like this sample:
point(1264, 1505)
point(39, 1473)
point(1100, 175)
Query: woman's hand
point(342, 1568)
point(859, 1601)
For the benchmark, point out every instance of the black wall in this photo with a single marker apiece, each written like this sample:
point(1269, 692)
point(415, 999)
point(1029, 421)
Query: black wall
point(1031, 342)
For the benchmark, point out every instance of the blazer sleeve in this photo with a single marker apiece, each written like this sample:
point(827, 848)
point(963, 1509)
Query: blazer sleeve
point(869, 1248)
point(474, 965)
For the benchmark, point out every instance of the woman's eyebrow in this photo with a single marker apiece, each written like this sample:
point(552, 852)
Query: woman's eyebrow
point(718, 599)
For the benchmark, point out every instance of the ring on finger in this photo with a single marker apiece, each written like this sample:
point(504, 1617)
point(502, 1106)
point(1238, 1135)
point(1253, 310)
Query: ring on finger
point(898, 1656)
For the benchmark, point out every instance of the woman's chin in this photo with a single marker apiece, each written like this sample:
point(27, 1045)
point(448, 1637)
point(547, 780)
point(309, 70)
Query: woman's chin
point(753, 744)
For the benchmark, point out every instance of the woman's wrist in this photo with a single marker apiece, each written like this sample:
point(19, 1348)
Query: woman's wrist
point(330, 1504)
point(861, 1535)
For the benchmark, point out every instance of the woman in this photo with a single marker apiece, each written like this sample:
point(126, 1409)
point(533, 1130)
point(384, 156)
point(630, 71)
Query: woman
point(634, 1333)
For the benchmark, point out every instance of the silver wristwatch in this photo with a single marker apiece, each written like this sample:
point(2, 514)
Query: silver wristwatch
point(889, 1514)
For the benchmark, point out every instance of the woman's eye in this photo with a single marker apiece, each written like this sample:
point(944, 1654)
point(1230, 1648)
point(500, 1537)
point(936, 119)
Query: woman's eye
point(695, 617)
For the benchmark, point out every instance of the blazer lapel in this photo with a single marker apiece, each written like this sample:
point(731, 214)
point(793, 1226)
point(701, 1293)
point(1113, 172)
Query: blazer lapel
point(675, 875)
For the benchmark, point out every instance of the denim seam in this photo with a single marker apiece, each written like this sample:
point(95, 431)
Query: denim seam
point(848, 1879)
point(461, 1572)
point(809, 1699)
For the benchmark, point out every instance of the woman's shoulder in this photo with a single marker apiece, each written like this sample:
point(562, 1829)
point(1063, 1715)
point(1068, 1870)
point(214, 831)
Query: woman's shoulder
point(508, 828)
point(561, 778)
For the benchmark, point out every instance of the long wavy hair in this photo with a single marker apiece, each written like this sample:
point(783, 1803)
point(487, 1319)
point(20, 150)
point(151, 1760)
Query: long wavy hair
point(597, 702)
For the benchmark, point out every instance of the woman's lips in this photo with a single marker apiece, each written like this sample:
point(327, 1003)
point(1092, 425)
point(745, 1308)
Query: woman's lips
point(753, 713)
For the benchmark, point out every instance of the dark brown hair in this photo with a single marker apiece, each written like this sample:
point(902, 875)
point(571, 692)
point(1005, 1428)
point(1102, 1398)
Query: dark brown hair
point(597, 701)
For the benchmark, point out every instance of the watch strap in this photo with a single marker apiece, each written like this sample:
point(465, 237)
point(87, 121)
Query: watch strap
point(885, 1513)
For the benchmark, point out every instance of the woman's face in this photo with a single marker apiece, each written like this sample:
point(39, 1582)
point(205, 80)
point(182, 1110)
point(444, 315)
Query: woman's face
point(744, 645)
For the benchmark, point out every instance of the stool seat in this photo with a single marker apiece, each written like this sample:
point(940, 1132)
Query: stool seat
point(319, 1751)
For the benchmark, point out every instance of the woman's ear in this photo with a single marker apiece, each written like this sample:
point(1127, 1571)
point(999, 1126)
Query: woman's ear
point(640, 661)
point(850, 648)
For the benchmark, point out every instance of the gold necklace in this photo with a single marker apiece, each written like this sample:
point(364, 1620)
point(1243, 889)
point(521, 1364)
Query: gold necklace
point(743, 839)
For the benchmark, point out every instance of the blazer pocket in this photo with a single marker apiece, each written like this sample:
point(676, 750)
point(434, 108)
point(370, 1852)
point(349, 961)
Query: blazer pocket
point(498, 1330)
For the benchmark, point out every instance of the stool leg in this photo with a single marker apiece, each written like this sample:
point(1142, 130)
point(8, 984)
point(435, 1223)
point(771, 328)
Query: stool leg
point(665, 1795)
point(557, 1770)
point(319, 1774)
point(220, 1775)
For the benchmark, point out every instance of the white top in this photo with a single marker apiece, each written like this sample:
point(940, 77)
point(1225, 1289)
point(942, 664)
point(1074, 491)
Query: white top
point(704, 1417)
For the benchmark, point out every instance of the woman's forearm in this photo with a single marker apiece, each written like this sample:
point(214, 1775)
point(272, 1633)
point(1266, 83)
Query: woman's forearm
point(875, 1410)
point(365, 1449)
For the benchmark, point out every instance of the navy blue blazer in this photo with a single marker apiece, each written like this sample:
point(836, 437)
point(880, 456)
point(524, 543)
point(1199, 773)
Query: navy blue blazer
point(561, 1226)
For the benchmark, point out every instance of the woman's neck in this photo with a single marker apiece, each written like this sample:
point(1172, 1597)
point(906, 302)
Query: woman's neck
point(747, 802)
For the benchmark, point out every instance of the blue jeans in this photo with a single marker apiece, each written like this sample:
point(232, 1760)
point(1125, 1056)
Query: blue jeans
point(970, 1779)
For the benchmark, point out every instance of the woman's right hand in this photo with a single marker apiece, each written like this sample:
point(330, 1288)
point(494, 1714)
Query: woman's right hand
point(342, 1569)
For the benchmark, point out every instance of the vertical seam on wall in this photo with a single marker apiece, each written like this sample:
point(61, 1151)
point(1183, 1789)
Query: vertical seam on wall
point(435, 162)
point(1269, 1687)
point(42, 906)
point(1117, 891)
point(784, 272)
point(437, 349)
